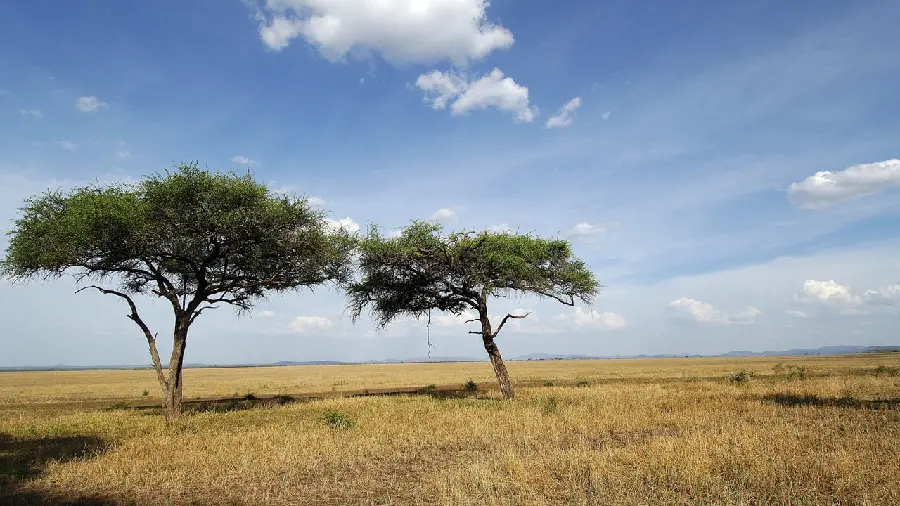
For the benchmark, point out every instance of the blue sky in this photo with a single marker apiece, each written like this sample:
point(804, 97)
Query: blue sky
point(728, 169)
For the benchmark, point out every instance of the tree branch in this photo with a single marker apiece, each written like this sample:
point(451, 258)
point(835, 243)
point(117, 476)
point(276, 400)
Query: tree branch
point(136, 318)
point(507, 317)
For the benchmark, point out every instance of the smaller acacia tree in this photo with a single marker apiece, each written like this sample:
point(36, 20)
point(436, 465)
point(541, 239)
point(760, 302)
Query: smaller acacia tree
point(422, 270)
point(194, 238)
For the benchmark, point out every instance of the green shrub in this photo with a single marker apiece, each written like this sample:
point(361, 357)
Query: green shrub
point(338, 420)
point(550, 405)
point(883, 370)
point(797, 372)
point(740, 377)
point(470, 386)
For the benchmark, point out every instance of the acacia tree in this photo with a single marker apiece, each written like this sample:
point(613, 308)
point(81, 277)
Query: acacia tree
point(194, 238)
point(422, 270)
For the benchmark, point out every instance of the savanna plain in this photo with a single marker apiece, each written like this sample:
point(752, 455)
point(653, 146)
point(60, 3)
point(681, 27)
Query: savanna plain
point(811, 430)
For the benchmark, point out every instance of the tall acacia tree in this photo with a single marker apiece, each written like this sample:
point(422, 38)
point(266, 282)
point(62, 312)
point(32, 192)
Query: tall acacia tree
point(422, 270)
point(195, 238)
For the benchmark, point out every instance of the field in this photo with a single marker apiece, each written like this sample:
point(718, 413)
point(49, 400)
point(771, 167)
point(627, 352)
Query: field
point(788, 431)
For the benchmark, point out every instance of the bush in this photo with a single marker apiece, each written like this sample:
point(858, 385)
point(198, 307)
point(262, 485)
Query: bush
point(883, 370)
point(338, 420)
point(550, 405)
point(797, 372)
point(250, 397)
point(470, 386)
point(146, 393)
point(548, 383)
point(583, 383)
point(740, 377)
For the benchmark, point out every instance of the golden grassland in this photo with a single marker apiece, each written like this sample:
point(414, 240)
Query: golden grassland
point(606, 432)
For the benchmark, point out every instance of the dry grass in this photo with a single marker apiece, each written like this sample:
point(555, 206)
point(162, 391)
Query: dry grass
point(634, 432)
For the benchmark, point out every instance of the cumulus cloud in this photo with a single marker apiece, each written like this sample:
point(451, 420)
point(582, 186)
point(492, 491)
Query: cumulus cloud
point(346, 224)
point(67, 145)
point(593, 319)
point(685, 310)
point(797, 314)
point(490, 90)
point(499, 228)
point(34, 113)
point(243, 160)
point(401, 31)
point(444, 216)
point(310, 324)
point(585, 229)
point(606, 115)
point(316, 201)
point(90, 104)
point(831, 296)
point(563, 117)
point(827, 188)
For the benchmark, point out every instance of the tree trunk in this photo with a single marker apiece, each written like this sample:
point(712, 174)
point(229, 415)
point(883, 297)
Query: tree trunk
point(173, 387)
point(490, 347)
point(499, 367)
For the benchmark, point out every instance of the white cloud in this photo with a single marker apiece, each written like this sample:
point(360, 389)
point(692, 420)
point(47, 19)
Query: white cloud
point(346, 224)
point(694, 311)
point(585, 229)
point(444, 216)
point(266, 314)
point(34, 113)
point(243, 160)
point(395, 233)
point(606, 115)
point(89, 104)
point(123, 154)
point(67, 145)
point(500, 229)
point(563, 117)
point(308, 324)
point(826, 188)
point(316, 201)
point(401, 31)
point(594, 319)
point(832, 296)
point(490, 90)
point(797, 314)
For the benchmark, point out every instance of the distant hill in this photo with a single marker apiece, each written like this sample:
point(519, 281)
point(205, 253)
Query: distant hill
point(824, 350)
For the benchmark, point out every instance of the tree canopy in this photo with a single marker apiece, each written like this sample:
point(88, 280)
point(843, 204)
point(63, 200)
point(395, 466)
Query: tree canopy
point(423, 270)
point(196, 238)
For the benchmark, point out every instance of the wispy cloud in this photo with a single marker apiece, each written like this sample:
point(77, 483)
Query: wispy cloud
point(90, 104)
point(33, 113)
point(563, 117)
point(243, 160)
point(67, 145)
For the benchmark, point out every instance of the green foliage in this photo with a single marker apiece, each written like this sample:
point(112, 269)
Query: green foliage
point(883, 370)
point(548, 383)
point(338, 420)
point(796, 372)
point(146, 393)
point(740, 377)
point(550, 405)
point(422, 270)
point(187, 234)
point(470, 386)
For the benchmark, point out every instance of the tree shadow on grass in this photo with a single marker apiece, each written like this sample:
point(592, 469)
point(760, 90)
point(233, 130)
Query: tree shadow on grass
point(22, 459)
point(250, 401)
point(795, 400)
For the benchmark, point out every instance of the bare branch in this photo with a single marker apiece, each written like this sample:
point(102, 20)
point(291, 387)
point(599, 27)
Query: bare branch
point(136, 318)
point(476, 332)
point(507, 317)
